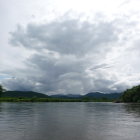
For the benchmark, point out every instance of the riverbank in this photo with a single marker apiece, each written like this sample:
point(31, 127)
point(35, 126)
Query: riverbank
point(53, 100)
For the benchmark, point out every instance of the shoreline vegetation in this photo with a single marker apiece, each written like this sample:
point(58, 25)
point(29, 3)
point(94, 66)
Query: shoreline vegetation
point(30, 96)
point(34, 99)
point(128, 96)
point(131, 95)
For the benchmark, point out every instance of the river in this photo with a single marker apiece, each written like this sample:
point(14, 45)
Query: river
point(69, 121)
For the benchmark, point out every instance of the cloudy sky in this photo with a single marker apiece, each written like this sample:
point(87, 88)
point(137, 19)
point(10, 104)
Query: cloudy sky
point(69, 46)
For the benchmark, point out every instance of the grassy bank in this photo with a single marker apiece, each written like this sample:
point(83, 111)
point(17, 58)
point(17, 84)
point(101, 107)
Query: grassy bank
point(7, 99)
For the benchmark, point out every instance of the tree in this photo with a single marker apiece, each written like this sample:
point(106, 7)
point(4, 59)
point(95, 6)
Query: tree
point(131, 95)
point(1, 90)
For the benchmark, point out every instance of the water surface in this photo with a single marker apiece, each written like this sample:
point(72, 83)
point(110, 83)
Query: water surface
point(69, 121)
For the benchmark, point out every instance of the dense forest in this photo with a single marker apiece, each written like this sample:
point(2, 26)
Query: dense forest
point(1, 90)
point(131, 95)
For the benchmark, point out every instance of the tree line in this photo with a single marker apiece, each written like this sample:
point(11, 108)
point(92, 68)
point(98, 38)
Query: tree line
point(129, 96)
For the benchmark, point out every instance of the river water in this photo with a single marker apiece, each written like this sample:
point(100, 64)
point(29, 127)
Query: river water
point(69, 121)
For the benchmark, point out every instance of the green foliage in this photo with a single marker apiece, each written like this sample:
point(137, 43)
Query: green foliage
point(29, 96)
point(131, 95)
point(1, 89)
point(23, 94)
point(35, 99)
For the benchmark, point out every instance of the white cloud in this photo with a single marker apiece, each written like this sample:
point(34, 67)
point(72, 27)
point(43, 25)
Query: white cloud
point(65, 50)
point(66, 36)
point(93, 47)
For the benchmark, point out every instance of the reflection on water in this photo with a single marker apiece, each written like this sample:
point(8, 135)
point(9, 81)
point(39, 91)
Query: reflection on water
point(133, 109)
point(69, 121)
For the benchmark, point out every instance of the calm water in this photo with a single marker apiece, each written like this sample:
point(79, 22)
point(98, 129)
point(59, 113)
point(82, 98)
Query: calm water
point(69, 121)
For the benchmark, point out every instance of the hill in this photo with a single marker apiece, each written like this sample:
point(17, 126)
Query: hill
point(23, 94)
point(98, 95)
point(66, 96)
point(131, 95)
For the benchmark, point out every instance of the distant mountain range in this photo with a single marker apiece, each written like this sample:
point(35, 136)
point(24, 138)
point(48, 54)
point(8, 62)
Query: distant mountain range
point(66, 96)
point(96, 95)
point(103, 95)
point(31, 94)
point(23, 94)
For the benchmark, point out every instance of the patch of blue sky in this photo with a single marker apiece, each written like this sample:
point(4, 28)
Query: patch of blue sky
point(2, 77)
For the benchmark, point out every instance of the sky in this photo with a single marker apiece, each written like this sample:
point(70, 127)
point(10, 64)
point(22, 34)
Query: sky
point(69, 46)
